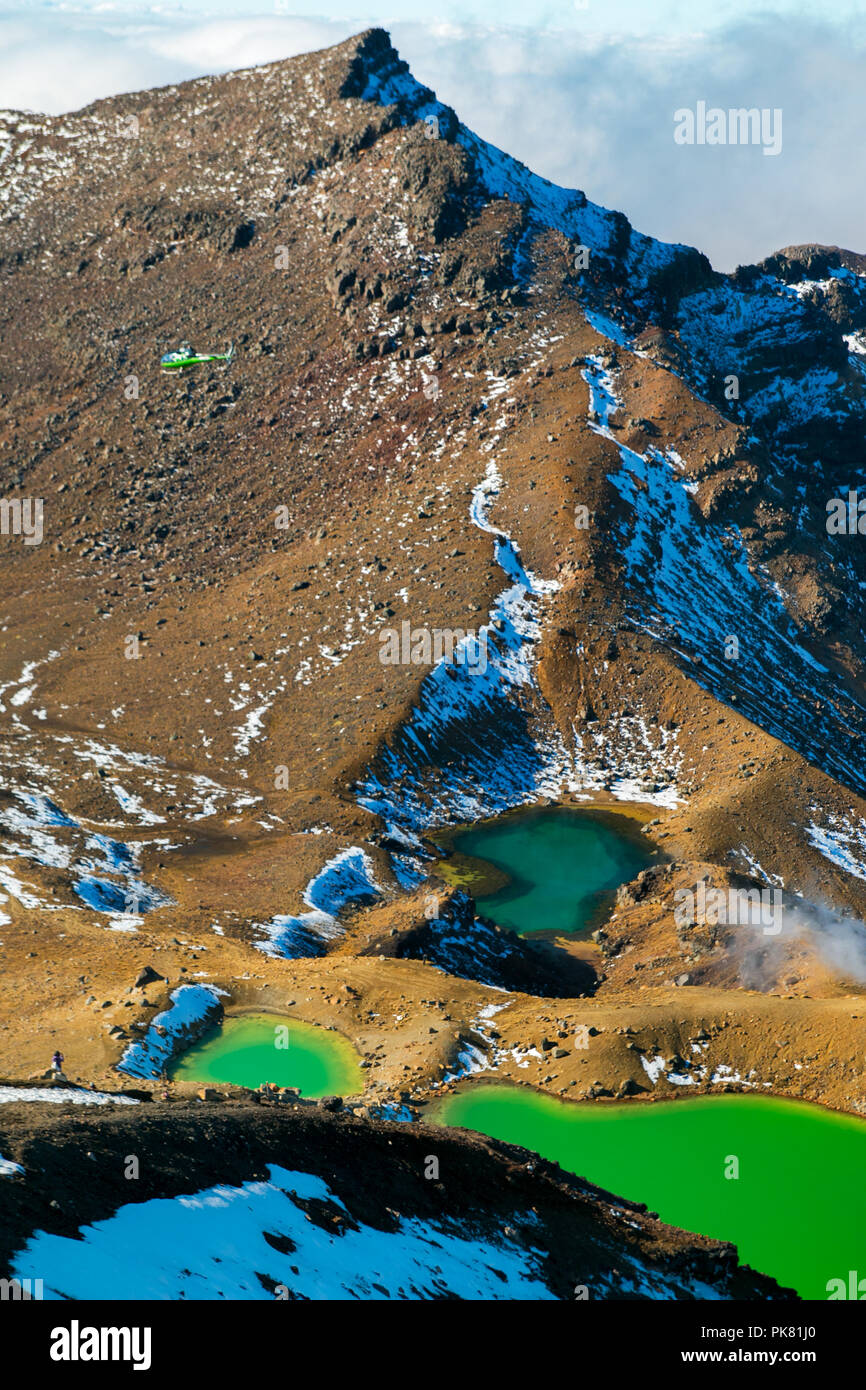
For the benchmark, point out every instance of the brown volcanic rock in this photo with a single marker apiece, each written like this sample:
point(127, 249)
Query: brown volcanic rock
point(443, 929)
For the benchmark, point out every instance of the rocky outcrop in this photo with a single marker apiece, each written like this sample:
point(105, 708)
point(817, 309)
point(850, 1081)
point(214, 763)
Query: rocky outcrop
point(456, 940)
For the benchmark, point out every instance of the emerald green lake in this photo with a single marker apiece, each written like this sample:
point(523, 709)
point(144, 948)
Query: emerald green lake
point(557, 868)
point(256, 1048)
point(796, 1211)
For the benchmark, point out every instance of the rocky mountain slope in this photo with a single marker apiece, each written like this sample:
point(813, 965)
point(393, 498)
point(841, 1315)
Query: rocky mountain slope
point(462, 399)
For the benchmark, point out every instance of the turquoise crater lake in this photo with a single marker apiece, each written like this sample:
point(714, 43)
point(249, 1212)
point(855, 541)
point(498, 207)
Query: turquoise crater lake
point(253, 1049)
point(781, 1179)
point(550, 870)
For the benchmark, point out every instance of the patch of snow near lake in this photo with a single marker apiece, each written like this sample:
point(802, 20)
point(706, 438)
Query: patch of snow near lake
point(391, 1111)
point(521, 1056)
point(483, 1054)
point(630, 759)
point(653, 1066)
point(693, 1074)
point(213, 1245)
point(61, 1095)
point(724, 1073)
point(470, 1059)
point(345, 879)
point(193, 1009)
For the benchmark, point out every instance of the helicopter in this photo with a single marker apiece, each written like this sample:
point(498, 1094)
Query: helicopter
point(185, 357)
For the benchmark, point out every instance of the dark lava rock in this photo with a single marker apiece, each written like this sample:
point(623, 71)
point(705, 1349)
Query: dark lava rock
point(147, 976)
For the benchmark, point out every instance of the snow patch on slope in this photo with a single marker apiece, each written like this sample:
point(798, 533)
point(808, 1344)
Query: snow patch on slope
point(61, 1095)
point(215, 1245)
point(347, 878)
point(193, 1009)
point(842, 840)
point(692, 587)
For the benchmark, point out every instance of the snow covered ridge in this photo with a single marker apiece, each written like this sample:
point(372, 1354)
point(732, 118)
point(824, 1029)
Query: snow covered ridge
point(345, 879)
point(475, 743)
point(215, 1245)
point(751, 326)
point(193, 1009)
point(638, 257)
point(690, 586)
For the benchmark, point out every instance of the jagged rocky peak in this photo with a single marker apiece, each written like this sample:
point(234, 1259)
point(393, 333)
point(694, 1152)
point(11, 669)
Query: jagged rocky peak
point(811, 260)
point(377, 72)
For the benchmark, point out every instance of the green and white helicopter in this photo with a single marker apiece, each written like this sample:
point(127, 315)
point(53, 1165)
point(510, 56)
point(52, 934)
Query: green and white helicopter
point(184, 358)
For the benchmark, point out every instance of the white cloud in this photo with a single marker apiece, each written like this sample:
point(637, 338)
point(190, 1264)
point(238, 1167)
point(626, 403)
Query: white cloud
point(598, 115)
point(65, 60)
point(592, 111)
point(237, 43)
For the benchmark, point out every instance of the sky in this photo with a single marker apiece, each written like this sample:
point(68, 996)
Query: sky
point(583, 91)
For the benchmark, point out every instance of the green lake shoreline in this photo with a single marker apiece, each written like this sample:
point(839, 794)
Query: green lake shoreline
point(252, 1047)
point(574, 859)
point(743, 1168)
